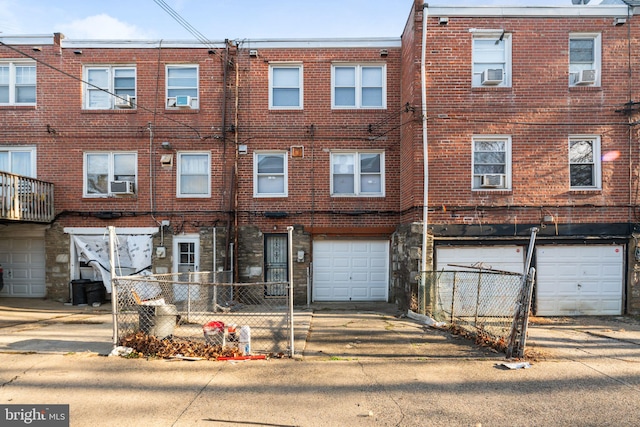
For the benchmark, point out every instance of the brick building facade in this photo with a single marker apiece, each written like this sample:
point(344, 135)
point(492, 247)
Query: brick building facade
point(530, 122)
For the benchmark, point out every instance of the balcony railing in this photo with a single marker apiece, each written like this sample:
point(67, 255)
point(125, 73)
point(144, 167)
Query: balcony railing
point(25, 199)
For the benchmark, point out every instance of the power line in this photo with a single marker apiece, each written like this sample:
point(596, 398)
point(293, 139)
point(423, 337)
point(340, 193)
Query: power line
point(185, 24)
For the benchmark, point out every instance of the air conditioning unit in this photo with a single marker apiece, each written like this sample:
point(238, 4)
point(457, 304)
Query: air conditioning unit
point(183, 101)
point(491, 77)
point(585, 77)
point(124, 101)
point(121, 187)
point(494, 180)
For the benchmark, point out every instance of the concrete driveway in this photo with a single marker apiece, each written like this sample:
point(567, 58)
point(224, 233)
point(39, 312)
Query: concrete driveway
point(362, 365)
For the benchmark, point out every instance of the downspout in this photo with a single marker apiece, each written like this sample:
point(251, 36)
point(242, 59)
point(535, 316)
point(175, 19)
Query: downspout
point(425, 151)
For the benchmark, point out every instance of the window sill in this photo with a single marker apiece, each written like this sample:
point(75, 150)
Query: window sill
point(17, 107)
point(182, 110)
point(587, 191)
point(492, 190)
point(491, 89)
point(590, 88)
point(111, 111)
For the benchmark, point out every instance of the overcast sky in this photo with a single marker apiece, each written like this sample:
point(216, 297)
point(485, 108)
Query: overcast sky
point(221, 19)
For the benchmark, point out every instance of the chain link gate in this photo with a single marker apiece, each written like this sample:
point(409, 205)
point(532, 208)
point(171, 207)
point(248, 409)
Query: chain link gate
point(199, 315)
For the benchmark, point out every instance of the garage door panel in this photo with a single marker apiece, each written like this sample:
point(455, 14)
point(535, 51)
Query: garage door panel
point(507, 258)
point(359, 270)
point(579, 280)
point(23, 260)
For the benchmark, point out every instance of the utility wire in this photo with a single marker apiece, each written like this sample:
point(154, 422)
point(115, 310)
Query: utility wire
point(185, 24)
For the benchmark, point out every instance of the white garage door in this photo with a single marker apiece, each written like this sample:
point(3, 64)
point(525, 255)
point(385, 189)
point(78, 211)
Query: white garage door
point(352, 270)
point(505, 258)
point(579, 280)
point(23, 261)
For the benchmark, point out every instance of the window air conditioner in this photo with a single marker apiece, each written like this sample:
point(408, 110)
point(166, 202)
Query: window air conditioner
point(495, 180)
point(183, 101)
point(491, 77)
point(124, 101)
point(121, 187)
point(585, 77)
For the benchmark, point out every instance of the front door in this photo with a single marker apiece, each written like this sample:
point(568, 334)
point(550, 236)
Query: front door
point(186, 260)
point(276, 267)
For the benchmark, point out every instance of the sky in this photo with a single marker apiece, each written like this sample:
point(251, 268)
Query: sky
point(218, 20)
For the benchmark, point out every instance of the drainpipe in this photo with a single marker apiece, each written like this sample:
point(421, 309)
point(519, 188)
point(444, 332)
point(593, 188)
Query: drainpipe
point(425, 150)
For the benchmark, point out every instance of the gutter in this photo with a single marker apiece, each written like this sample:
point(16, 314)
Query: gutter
point(425, 209)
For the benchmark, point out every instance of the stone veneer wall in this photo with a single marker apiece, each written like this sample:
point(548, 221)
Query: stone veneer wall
point(406, 254)
point(633, 281)
point(57, 276)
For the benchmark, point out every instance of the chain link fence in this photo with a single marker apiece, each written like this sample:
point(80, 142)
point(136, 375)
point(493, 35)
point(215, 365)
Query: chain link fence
point(202, 315)
point(479, 303)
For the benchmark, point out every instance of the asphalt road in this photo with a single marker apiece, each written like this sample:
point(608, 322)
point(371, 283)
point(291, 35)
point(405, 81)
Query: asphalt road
point(357, 367)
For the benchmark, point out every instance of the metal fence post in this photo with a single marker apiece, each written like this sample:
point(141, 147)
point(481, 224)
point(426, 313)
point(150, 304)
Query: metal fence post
point(290, 232)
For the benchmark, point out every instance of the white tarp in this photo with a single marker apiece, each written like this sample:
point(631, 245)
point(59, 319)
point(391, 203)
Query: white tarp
point(132, 252)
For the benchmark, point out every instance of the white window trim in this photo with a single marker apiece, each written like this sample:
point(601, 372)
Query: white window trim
point(597, 55)
point(358, 101)
point(507, 160)
point(597, 162)
point(195, 102)
point(179, 175)
point(493, 34)
point(256, 194)
point(111, 89)
point(12, 63)
point(25, 148)
point(85, 193)
point(356, 173)
point(300, 68)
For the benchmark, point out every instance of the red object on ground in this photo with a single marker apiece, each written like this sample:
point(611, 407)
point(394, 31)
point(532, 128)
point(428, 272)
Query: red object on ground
point(256, 357)
point(213, 327)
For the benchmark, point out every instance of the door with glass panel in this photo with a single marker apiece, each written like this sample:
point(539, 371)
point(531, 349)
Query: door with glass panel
point(186, 262)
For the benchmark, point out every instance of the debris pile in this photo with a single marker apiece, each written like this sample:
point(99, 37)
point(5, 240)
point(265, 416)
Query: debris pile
point(144, 345)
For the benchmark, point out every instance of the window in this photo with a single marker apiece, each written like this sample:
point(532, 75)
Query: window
point(584, 162)
point(18, 83)
point(358, 86)
point(109, 173)
point(286, 86)
point(491, 58)
point(491, 162)
point(584, 59)
point(182, 86)
point(270, 174)
point(18, 160)
point(357, 174)
point(109, 87)
point(194, 174)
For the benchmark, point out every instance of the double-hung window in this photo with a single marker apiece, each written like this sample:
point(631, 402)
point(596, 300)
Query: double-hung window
point(108, 173)
point(194, 174)
point(17, 82)
point(584, 59)
point(18, 160)
point(491, 162)
point(491, 58)
point(358, 86)
point(357, 174)
point(270, 174)
point(285, 86)
point(109, 87)
point(584, 162)
point(182, 86)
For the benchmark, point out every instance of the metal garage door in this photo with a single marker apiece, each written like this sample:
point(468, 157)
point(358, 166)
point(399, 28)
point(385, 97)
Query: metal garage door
point(505, 258)
point(23, 261)
point(579, 280)
point(351, 270)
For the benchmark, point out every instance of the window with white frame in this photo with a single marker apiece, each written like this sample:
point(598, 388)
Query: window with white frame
point(357, 173)
point(584, 162)
point(584, 59)
point(108, 173)
point(17, 82)
point(109, 87)
point(270, 174)
point(194, 174)
point(359, 86)
point(285, 86)
point(491, 162)
point(491, 58)
point(18, 160)
point(182, 86)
